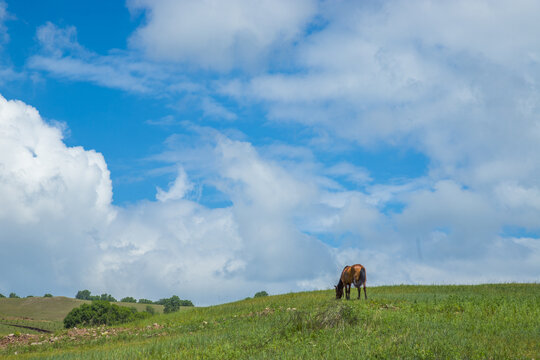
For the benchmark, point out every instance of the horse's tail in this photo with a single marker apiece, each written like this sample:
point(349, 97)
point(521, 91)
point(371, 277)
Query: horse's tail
point(363, 275)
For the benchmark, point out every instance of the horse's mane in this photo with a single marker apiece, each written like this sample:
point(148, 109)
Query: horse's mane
point(340, 284)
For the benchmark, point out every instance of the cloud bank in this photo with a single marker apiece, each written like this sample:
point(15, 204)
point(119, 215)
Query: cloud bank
point(57, 215)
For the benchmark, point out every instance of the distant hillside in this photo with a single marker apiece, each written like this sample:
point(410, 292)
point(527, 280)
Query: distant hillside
point(44, 312)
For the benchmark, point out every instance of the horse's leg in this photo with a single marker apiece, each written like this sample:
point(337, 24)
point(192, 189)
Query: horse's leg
point(358, 287)
point(365, 294)
point(349, 292)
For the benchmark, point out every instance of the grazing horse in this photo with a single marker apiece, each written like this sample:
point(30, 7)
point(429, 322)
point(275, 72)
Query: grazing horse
point(356, 275)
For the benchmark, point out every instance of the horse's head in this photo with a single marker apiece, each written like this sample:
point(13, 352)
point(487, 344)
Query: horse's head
point(339, 292)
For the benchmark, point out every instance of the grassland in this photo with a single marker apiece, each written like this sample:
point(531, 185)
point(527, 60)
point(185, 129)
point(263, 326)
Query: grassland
point(43, 313)
point(396, 322)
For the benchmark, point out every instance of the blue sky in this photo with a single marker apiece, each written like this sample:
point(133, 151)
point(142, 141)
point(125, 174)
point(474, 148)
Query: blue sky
point(265, 145)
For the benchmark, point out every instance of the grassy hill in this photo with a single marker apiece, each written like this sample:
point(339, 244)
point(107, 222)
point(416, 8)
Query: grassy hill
point(473, 322)
point(45, 313)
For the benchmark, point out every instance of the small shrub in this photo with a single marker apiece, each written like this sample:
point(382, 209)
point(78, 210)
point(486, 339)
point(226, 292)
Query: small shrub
point(260, 294)
point(101, 312)
point(150, 309)
point(47, 295)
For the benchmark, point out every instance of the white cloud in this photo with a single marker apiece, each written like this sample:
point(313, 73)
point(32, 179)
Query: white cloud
point(156, 249)
point(212, 108)
point(62, 56)
point(33, 181)
point(217, 35)
point(177, 189)
point(266, 200)
point(55, 201)
point(449, 221)
point(8, 74)
point(350, 172)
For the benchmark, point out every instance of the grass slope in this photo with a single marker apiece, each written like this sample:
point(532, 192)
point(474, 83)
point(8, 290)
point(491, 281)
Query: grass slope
point(44, 313)
point(463, 322)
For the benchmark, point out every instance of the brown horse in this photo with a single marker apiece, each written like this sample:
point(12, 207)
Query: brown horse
point(356, 275)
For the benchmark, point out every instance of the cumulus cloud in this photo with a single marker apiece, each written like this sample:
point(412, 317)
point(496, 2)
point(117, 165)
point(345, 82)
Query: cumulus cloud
point(217, 35)
point(55, 201)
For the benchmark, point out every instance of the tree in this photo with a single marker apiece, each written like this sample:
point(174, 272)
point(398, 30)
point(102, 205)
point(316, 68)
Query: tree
point(13, 296)
point(172, 304)
point(47, 295)
point(83, 295)
point(2, 296)
point(86, 295)
point(145, 301)
point(260, 294)
point(129, 299)
point(107, 297)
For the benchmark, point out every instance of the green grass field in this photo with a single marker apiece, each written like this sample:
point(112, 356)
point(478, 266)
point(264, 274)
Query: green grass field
point(43, 313)
point(397, 322)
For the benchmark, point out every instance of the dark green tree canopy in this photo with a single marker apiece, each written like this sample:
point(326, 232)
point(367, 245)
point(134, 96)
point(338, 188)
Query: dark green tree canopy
point(260, 294)
point(173, 303)
point(83, 295)
point(86, 295)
